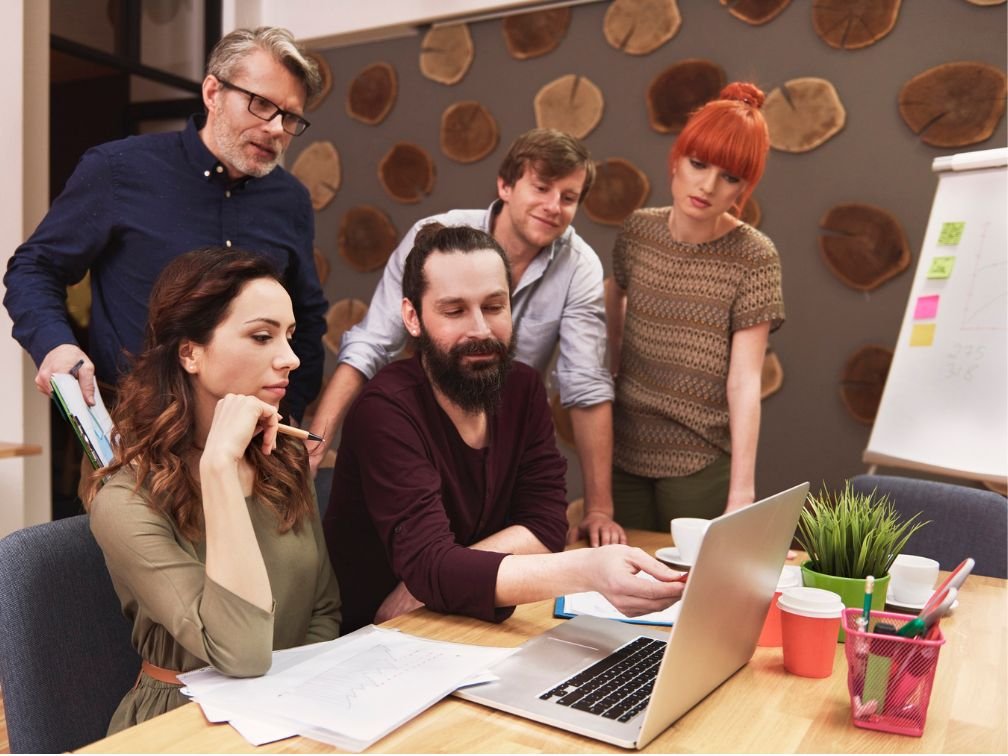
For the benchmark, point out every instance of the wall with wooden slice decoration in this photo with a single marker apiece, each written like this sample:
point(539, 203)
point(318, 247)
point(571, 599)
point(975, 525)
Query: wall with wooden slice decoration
point(803, 113)
point(853, 25)
point(366, 238)
point(954, 104)
point(858, 148)
point(326, 73)
point(679, 90)
point(529, 35)
point(318, 168)
point(756, 12)
point(863, 380)
point(863, 245)
point(446, 53)
point(751, 213)
point(572, 103)
point(620, 188)
point(321, 265)
point(407, 172)
point(772, 374)
point(342, 316)
point(639, 27)
point(372, 93)
point(468, 131)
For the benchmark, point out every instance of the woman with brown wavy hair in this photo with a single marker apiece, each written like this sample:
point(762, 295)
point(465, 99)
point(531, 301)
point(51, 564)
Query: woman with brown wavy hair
point(207, 517)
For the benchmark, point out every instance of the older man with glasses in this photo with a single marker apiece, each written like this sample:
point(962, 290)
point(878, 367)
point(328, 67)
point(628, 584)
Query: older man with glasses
point(133, 205)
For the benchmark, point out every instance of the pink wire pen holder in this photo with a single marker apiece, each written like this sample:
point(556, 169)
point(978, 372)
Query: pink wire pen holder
point(889, 678)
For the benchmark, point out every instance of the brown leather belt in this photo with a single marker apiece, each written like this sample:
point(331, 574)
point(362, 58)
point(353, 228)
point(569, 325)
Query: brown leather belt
point(158, 673)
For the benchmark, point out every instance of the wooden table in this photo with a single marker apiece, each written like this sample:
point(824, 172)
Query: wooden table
point(8, 449)
point(761, 709)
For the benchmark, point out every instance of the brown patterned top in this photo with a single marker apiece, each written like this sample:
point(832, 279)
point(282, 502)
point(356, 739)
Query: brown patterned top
point(683, 303)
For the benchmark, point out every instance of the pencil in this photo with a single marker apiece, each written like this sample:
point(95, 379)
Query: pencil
point(304, 435)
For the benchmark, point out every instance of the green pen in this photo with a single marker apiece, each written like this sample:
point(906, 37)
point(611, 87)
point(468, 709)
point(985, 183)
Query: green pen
point(869, 587)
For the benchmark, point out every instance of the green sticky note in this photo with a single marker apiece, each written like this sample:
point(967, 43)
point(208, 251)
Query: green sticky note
point(951, 233)
point(941, 267)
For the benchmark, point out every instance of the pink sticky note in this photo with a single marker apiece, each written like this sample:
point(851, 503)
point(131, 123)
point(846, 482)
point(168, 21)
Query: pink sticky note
point(927, 307)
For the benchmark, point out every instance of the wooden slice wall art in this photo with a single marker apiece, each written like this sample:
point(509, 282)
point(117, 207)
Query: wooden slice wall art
point(407, 173)
point(954, 104)
point(862, 382)
point(751, 213)
point(756, 12)
point(803, 114)
point(620, 188)
point(372, 93)
point(562, 421)
point(318, 168)
point(679, 90)
point(342, 316)
point(326, 73)
point(446, 53)
point(639, 27)
point(468, 132)
point(366, 238)
point(529, 35)
point(853, 24)
point(986, 2)
point(321, 265)
point(772, 375)
point(863, 245)
point(572, 104)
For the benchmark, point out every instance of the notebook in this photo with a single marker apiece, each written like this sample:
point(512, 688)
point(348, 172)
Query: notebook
point(723, 608)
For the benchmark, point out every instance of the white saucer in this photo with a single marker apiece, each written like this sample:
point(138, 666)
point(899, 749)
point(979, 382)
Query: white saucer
point(916, 607)
point(670, 555)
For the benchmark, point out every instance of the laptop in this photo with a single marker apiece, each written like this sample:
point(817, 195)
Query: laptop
point(722, 613)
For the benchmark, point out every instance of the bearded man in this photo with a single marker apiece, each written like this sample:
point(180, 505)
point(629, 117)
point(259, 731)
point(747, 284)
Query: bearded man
point(133, 205)
point(448, 489)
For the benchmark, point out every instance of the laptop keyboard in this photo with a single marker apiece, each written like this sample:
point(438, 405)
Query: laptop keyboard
point(617, 687)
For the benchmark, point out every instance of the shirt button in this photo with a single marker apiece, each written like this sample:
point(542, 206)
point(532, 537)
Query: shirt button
point(227, 193)
point(206, 173)
point(219, 169)
point(227, 243)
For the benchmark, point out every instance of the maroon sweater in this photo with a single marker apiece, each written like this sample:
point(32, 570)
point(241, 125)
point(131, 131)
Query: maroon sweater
point(408, 494)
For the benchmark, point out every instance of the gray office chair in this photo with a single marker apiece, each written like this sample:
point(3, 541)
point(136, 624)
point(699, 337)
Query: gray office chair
point(965, 522)
point(65, 654)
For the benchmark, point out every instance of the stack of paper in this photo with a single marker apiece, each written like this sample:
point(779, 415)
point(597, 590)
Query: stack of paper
point(348, 692)
point(92, 425)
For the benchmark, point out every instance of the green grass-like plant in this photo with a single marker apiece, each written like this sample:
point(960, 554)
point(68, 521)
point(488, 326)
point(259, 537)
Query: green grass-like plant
point(854, 535)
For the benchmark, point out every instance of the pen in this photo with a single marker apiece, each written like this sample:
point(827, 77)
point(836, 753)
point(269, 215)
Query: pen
point(76, 368)
point(869, 587)
point(304, 435)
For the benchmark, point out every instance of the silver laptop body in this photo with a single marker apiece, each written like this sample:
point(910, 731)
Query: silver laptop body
point(723, 609)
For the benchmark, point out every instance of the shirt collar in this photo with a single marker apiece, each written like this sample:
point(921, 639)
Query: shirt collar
point(201, 159)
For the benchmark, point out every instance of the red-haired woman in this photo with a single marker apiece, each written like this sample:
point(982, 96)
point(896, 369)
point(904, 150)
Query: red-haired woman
point(696, 293)
point(207, 519)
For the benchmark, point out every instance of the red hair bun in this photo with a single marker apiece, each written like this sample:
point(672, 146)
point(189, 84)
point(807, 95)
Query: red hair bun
point(743, 91)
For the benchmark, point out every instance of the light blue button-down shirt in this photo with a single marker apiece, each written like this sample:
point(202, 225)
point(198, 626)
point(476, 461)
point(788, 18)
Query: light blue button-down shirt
point(559, 301)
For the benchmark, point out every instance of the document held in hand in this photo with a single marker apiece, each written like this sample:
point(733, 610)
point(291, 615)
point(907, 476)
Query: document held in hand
point(92, 425)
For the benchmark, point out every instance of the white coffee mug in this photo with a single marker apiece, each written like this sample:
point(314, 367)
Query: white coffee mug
point(687, 533)
point(912, 579)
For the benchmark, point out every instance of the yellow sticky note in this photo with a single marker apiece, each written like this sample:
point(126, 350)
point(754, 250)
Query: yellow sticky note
point(922, 334)
point(941, 267)
point(951, 233)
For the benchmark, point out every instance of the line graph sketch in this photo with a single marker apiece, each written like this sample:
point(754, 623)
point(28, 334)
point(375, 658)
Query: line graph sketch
point(986, 303)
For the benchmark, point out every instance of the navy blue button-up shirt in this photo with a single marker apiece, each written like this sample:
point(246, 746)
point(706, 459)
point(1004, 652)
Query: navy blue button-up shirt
point(129, 208)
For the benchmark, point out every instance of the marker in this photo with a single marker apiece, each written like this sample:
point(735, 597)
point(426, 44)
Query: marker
point(304, 435)
point(869, 587)
point(76, 368)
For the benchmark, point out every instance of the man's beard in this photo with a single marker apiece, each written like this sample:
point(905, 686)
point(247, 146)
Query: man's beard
point(475, 387)
point(229, 142)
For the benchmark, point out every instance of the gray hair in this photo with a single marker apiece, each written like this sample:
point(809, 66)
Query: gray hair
point(227, 56)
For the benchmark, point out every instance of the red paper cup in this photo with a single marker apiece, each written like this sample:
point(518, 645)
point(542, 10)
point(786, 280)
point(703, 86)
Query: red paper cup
point(810, 623)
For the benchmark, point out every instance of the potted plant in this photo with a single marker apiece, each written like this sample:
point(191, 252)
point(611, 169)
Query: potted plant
point(849, 536)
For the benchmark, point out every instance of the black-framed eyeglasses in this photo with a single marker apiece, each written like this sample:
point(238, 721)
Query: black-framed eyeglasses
point(267, 110)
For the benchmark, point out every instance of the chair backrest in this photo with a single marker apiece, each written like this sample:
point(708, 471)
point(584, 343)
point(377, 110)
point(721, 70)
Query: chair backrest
point(66, 659)
point(965, 522)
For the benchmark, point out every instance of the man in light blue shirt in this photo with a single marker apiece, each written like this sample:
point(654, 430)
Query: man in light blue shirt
point(557, 300)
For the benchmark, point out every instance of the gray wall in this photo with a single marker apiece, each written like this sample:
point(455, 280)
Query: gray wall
point(806, 433)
